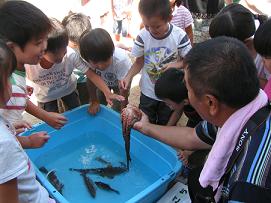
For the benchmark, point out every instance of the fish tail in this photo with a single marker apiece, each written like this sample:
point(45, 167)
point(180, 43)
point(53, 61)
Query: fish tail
point(116, 191)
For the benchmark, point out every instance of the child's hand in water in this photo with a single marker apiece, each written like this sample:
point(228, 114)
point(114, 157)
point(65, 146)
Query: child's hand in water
point(55, 120)
point(94, 107)
point(110, 97)
point(37, 140)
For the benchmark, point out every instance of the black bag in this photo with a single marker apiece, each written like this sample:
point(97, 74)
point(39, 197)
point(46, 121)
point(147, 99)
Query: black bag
point(196, 192)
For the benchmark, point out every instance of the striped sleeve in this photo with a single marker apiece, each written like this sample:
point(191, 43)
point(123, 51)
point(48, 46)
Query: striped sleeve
point(184, 46)
point(188, 20)
point(206, 132)
point(138, 48)
point(259, 168)
point(182, 18)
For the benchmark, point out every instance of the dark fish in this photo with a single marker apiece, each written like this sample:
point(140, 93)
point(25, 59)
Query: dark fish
point(87, 170)
point(90, 185)
point(101, 160)
point(43, 170)
point(108, 171)
point(105, 186)
point(127, 147)
point(51, 176)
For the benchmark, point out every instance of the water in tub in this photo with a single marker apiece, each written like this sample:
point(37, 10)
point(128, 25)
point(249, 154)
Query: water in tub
point(82, 153)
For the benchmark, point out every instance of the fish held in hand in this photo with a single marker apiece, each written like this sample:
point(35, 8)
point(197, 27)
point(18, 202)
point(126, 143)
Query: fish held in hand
point(129, 116)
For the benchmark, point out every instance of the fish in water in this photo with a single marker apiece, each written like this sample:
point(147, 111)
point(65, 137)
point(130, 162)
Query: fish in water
point(129, 116)
point(90, 185)
point(43, 170)
point(108, 171)
point(105, 186)
point(51, 176)
point(101, 160)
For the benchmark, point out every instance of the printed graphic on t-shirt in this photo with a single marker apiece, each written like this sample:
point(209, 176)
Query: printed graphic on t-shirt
point(155, 60)
point(53, 80)
point(109, 78)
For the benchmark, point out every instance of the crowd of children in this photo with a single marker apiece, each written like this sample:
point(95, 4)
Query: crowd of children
point(216, 84)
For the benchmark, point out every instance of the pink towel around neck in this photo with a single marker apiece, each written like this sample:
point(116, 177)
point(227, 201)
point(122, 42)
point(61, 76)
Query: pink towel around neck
point(267, 89)
point(225, 142)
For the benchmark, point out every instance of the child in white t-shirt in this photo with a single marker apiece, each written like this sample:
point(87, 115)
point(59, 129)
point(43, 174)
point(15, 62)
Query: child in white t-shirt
point(17, 176)
point(15, 106)
point(53, 77)
point(110, 62)
point(121, 12)
point(159, 46)
point(76, 24)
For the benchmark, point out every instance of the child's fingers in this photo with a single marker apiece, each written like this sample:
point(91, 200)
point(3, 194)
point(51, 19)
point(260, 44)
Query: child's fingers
point(119, 97)
point(94, 108)
point(25, 124)
point(62, 118)
point(42, 134)
point(28, 125)
point(58, 126)
point(122, 84)
point(20, 130)
point(110, 102)
point(22, 124)
point(46, 137)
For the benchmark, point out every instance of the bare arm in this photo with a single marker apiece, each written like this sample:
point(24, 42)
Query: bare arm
point(125, 94)
point(184, 138)
point(189, 32)
point(35, 140)
point(135, 69)
point(98, 81)
point(92, 91)
point(53, 119)
point(175, 117)
point(112, 9)
point(9, 192)
point(94, 103)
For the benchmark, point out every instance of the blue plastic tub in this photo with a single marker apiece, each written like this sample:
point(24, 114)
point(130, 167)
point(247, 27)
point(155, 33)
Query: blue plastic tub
point(83, 139)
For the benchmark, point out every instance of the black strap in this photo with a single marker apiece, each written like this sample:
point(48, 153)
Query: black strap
point(248, 130)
